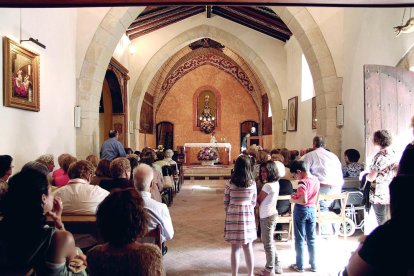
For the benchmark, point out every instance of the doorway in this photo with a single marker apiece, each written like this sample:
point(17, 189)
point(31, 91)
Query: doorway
point(389, 104)
point(165, 135)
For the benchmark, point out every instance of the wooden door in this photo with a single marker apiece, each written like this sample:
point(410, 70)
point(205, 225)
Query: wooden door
point(165, 135)
point(388, 104)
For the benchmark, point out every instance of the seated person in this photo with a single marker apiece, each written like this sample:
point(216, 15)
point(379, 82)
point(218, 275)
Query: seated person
point(352, 167)
point(158, 212)
point(133, 162)
point(59, 171)
point(78, 196)
point(121, 175)
point(102, 172)
point(48, 161)
point(157, 185)
point(388, 249)
point(167, 161)
point(26, 242)
point(93, 159)
point(122, 254)
point(63, 179)
point(5, 172)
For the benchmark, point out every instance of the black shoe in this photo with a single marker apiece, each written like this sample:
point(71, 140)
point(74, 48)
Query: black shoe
point(164, 250)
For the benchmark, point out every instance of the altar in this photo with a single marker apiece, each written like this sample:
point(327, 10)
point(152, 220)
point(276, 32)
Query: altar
point(191, 150)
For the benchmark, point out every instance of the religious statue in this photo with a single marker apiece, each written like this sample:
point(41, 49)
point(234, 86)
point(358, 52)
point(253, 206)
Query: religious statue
point(207, 124)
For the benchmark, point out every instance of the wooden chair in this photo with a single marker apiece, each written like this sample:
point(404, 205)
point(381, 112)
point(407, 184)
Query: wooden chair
point(286, 219)
point(332, 217)
point(153, 236)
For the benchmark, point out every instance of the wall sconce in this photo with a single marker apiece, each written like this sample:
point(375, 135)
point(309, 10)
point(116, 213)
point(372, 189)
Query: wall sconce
point(284, 126)
point(35, 41)
point(131, 127)
point(77, 119)
point(340, 115)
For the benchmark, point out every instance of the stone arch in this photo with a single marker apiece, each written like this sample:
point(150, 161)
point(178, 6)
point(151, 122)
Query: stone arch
point(245, 52)
point(328, 87)
point(300, 22)
point(92, 74)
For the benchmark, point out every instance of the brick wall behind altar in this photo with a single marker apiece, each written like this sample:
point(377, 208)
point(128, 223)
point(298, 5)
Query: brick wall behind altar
point(236, 107)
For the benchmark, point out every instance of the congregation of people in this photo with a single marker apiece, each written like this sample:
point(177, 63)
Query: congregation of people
point(126, 191)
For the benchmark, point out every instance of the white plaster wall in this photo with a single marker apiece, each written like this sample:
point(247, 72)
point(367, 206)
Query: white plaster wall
point(368, 39)
point(302, 138)
point(27, 134)
point(88, 20)
point(331, 24)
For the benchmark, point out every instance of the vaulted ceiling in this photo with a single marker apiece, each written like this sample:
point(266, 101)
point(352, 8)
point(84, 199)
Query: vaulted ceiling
point(261, 19)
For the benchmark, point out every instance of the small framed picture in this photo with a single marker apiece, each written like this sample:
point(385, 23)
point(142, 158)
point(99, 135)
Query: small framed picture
point(292, 120)
point(20, 76)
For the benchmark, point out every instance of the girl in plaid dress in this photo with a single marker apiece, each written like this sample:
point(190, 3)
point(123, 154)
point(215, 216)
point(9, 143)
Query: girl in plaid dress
point(239, 201)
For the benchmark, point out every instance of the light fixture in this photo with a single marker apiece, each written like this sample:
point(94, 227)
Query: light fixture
point(77, 119)
point(35, 41)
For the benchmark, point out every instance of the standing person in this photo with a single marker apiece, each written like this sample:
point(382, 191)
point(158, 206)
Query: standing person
point(406, 165)
point(267, 200)
point(388, 249)
point(304, 214)
point(239, 201)
point(381, 173)
point(112, 148)
point(326, 166)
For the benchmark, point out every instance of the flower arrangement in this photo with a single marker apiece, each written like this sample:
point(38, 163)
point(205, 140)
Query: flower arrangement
point(208, 153)
point(160, 147)
point(207, 126)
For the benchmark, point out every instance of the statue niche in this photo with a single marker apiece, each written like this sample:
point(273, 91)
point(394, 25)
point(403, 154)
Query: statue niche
point(207, 111)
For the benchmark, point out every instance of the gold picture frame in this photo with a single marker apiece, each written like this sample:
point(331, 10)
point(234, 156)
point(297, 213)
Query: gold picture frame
point(292, 121)
point(20, 76)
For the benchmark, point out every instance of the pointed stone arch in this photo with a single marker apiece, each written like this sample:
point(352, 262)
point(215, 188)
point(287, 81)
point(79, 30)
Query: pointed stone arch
point(328, 86)
point(247, 54)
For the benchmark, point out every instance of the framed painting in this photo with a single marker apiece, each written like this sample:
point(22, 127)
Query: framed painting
point(20, 76)
point(292, 120)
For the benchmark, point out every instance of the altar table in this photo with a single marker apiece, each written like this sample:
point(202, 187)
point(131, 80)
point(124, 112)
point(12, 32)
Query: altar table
point(191, 150)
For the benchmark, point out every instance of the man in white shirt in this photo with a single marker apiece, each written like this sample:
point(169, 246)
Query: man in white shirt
point(78, 196)
point(326, 166)
point(158, 212)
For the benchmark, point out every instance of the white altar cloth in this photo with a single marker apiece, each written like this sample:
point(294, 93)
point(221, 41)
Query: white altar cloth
point(214, 145)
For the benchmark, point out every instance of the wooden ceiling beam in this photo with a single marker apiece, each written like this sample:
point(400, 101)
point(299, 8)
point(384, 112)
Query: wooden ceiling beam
point(141, 21)
point(112, 3)
point(265, 19)
point(250, 24)
point(163, 22)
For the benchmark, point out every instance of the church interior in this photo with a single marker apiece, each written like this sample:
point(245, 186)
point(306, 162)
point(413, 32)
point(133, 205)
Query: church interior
point(172, 75)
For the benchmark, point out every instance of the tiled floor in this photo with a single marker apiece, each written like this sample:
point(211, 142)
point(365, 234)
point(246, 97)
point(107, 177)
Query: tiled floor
point(198, 247)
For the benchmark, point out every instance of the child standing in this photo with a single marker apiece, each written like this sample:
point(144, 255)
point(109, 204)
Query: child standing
point(239, 201)
point(267, 201)
point(304, 214)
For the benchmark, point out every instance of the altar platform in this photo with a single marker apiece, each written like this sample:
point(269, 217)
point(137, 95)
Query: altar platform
point(194, 172)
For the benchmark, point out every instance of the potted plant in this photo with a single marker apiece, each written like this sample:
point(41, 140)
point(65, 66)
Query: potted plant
point(207, 156)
